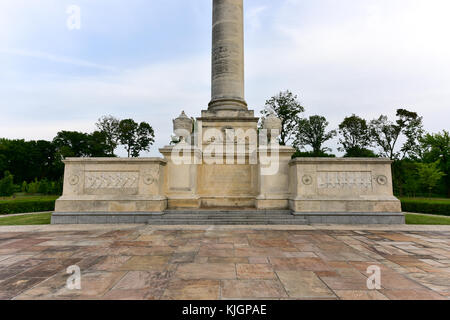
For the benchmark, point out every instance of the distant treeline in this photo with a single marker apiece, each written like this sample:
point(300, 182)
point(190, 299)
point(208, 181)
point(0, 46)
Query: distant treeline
point(421, 162)
point(37, 166)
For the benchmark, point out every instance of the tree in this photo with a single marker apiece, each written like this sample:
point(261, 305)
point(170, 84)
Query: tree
point(287, 107)
point(355, 137)
point(436, 147)
point(27, 160)
point(7, 185)
point(98, 145)
point(72, 144)
point(429, 175)
point(135, 137)
point(109, 126)
point(412, 128)
point(79, 144)
point(385, 134)
point(312, 132)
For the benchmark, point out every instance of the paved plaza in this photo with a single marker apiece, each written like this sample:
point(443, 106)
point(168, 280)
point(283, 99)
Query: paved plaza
point(146, 262)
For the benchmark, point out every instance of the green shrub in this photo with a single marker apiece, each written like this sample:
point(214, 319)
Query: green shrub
point(33, 187)
point(24, 187)
point(438, 207)
point(7, 187)
point(25, 206)
point(43, 186)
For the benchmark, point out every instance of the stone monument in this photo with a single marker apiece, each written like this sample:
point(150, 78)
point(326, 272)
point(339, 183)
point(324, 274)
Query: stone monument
point(222, 169)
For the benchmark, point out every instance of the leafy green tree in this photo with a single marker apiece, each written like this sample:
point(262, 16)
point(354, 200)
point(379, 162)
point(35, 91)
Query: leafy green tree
point(7, 185)
point(311, 154)
point(24, 187)
point(98, 145)
point(109, 126)
point(27, 160)
point(436, 147)
point(287, 107)
point(357, 152)
point(355, 137)
point(385, 134)
point(412, 129)
point(135, 137)
point(312, 132)
point(79, 144)
point(405, 178)
point(429, 175)
point(72, 144)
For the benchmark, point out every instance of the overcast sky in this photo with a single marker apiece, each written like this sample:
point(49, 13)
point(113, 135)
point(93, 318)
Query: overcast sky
point(150, 59)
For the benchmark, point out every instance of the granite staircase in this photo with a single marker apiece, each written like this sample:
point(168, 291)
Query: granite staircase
point(227, 217)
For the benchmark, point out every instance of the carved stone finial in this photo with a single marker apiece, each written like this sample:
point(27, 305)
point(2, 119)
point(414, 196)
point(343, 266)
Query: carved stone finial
point(182, 127)
point(272, 124)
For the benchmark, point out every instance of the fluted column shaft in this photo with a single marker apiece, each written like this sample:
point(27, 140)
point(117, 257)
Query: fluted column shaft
point(227, 83)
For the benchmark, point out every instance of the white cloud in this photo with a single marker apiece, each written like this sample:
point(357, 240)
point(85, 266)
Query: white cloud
point(253, 17)
point(342, 57)
point(57, 59)
point(155, 93)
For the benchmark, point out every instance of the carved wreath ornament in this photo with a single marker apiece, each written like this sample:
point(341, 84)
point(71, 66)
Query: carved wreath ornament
point(150, 177)
point(307, 180)
point(74, 179)
point(382, 180)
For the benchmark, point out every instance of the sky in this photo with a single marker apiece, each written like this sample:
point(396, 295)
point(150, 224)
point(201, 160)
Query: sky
point(150, 59)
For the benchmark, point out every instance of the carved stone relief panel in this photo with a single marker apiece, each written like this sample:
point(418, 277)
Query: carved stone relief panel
point(109, 182)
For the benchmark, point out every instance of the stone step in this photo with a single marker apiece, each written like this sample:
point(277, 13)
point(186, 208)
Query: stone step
point(229, 212)
point(226, 222)
point(236, 218)
point(226, 217)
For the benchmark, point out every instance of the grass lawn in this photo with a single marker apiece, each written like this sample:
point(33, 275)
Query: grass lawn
point(427, 219)
point(30, 198)
point(431, 200)
point(26, 220)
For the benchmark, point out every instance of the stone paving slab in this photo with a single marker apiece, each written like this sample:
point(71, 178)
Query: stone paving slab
point(218, 262)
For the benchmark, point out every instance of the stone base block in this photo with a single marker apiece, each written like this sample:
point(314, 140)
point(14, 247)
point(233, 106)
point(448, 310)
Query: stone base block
point(184, 203)
point(102, 218)
point(352, 218)
point(272, 204)
point(80, 205)
point(228, 202)
point(345, 206)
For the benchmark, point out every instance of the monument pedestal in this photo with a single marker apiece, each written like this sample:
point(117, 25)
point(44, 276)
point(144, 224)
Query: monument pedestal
point(111, 190)
point(181, 174)
point(344, 191)
point(274, 177)
point(227, 167)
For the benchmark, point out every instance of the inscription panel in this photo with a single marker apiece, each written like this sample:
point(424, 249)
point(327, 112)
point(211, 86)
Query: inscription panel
point(341, 180)
point(227, 180)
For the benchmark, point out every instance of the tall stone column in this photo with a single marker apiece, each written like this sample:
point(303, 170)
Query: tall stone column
point(227, 92)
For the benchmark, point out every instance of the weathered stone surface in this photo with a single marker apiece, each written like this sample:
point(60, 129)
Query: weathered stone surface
point(206, 271)
point(342, 185)
point(228, 56)
point(112, 185)
point(323, 263)
point(304, 285)
point(252, 289)
point(227, 166)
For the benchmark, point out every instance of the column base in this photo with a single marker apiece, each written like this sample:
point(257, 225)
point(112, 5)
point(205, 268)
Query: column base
point(227, 104)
